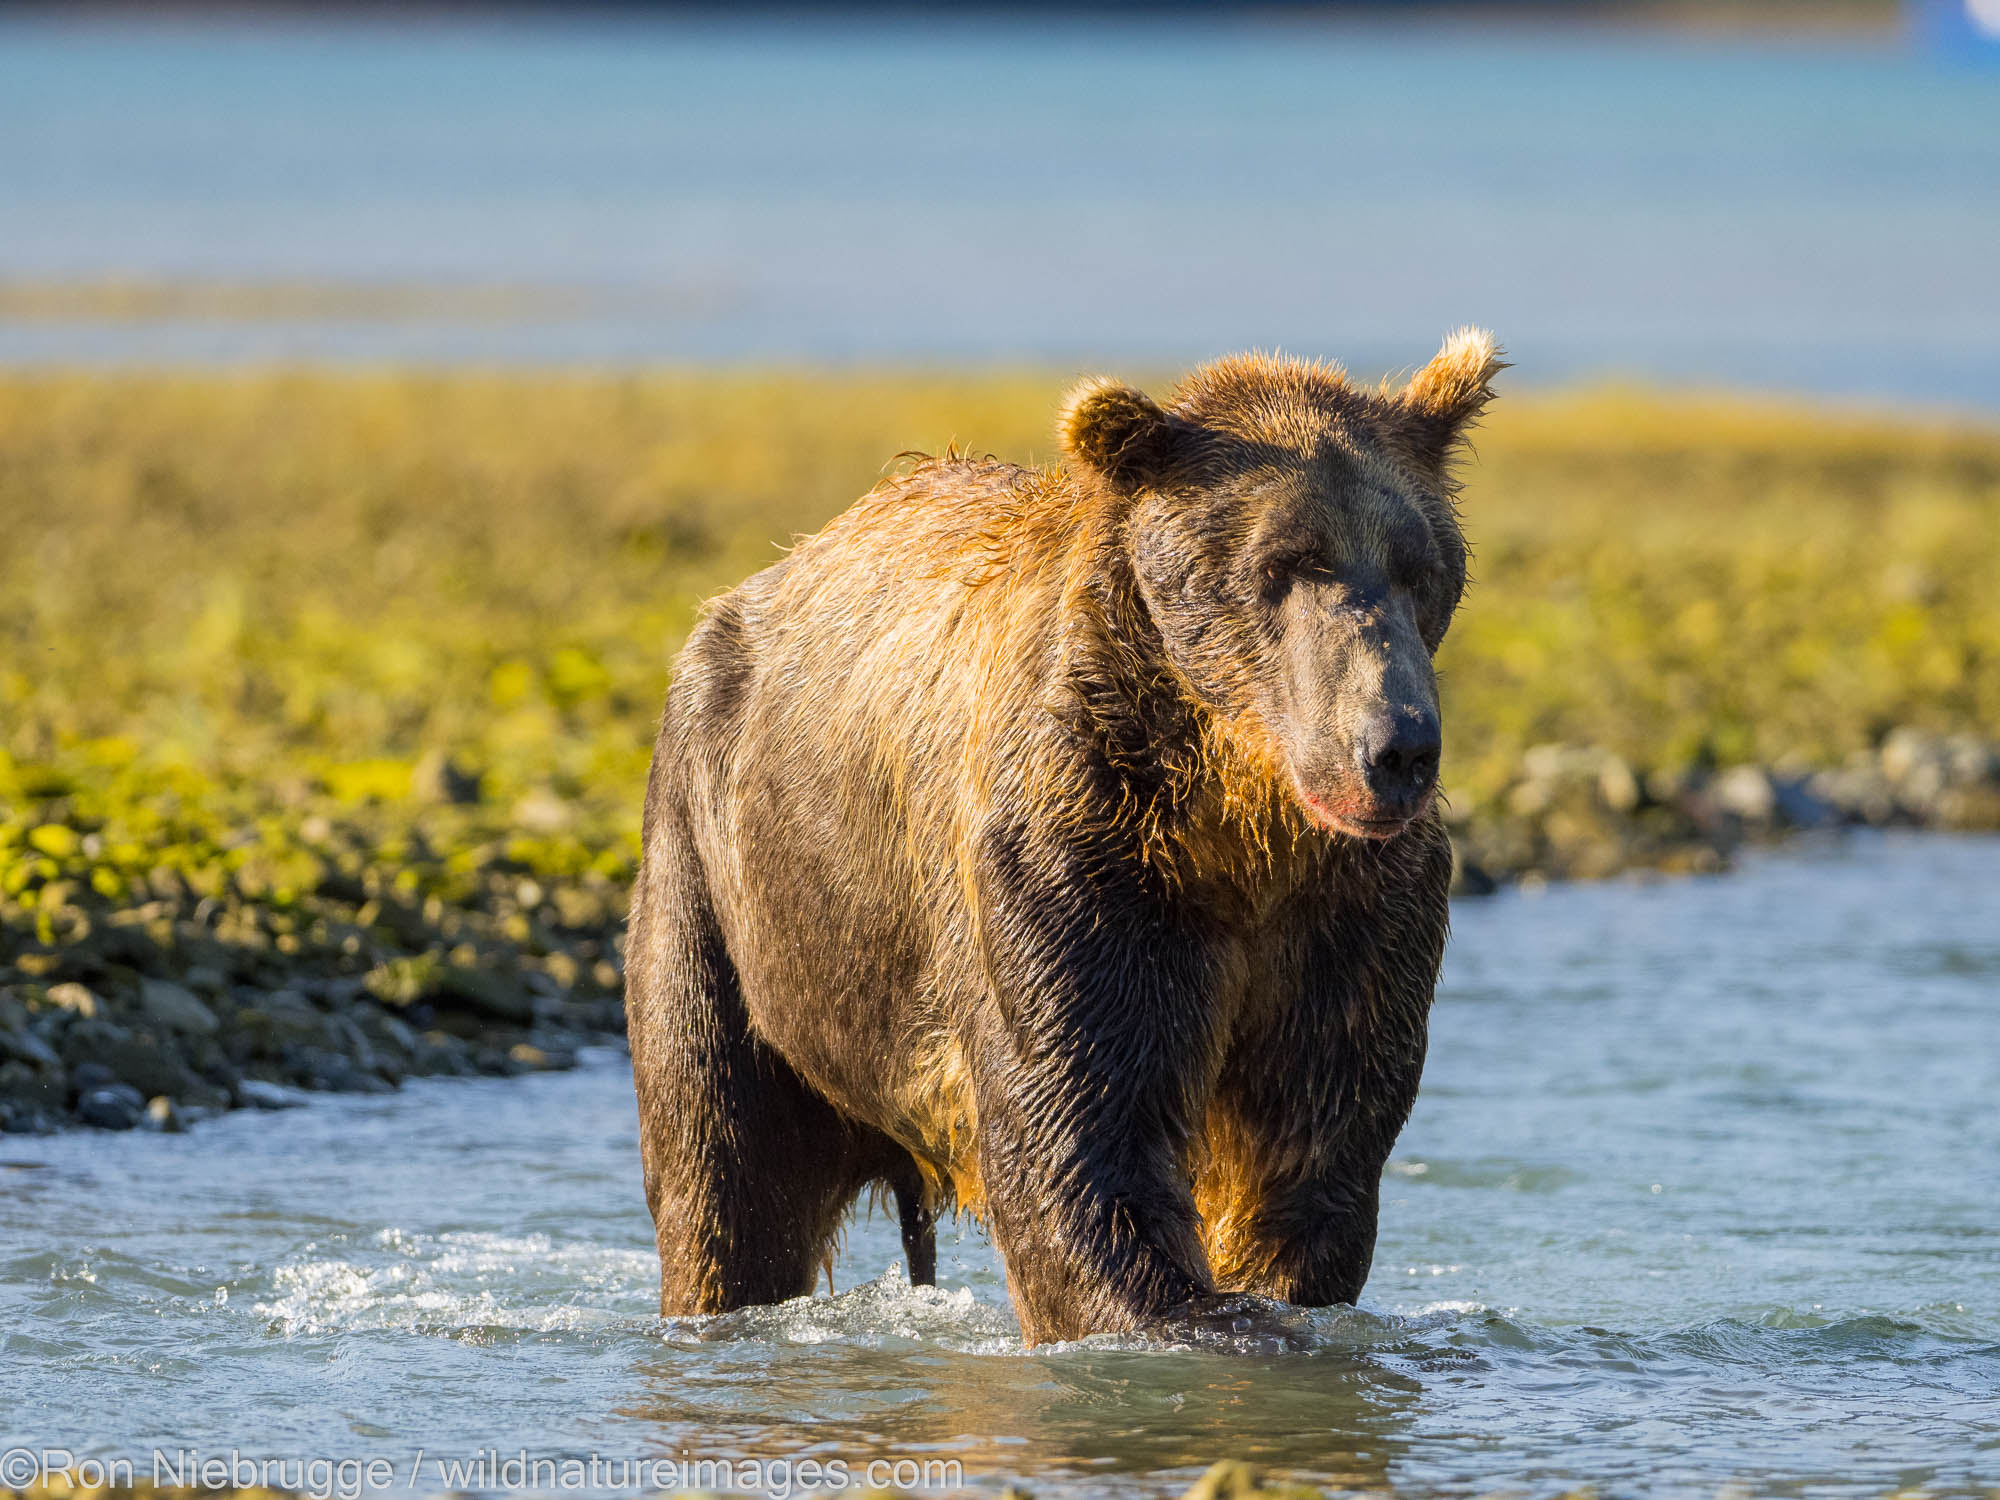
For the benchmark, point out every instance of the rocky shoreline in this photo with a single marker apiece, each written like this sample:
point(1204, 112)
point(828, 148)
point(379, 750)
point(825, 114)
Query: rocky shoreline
point(1575, 812)
point(125, 1014)
point(154, 1007)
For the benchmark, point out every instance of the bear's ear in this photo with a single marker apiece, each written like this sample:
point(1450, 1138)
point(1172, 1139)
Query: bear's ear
point(1120, 432)
point(1446, 396)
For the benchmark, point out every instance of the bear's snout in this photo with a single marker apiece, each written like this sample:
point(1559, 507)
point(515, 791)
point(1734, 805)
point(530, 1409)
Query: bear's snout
point(1383, 782)
point(1398, 755)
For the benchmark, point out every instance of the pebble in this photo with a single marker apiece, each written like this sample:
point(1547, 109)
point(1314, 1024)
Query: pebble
point(115, 1106)
point(175, 1007)
point(255, 1093)
point(1747, 792)
point(25, 1046)
point(32, 1091)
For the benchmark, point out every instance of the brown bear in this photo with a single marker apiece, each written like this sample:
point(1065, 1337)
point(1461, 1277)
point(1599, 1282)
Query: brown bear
point(1061, 845)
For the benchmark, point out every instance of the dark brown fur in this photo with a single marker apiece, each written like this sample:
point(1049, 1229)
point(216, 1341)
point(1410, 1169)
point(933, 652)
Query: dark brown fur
point(1060, 845)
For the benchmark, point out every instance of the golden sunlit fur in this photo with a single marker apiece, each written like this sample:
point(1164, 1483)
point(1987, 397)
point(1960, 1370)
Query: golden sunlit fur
point(983, 858)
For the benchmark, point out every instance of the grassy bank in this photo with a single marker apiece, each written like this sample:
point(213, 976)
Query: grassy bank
point(347, 682)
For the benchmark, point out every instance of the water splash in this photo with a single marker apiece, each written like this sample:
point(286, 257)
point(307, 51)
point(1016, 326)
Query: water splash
point(884, 1313)
point(457, 1284)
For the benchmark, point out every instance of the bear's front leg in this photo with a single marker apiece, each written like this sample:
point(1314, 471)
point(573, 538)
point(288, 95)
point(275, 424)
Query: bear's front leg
point(1099, 1041)
point(1311, 1099)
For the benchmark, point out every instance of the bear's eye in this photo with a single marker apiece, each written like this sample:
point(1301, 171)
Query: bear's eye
point(1287, 566)
point(1282, 570)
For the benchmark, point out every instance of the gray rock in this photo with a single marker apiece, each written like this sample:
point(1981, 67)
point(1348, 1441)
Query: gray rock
point(25, 1046)
point(86, 1076)
point(1556, 772)
point(270, 1022)
point(209, 981)
point(52, 1026)
point(443, 1054)
point(1971, 761)
point(34, 1088)
point(498, 1064)
point(255, 1093)
point(24, 1119)
point(332, 1073)
point(497, 995)
point(1907, 752)
point(176, 1008)
point(116, 1106)
point(1927, 770)
point(352, 1042)
point(1746, 792)
point(202, 1094)
point(389, 1033)
point(288, 1002)
point(341, 991)
point(1920, 791)
point(88, 1038)
point(153, 1065)
point(1861, 793)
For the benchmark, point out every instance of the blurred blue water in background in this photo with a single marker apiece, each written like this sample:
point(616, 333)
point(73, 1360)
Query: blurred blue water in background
point(1815, 214)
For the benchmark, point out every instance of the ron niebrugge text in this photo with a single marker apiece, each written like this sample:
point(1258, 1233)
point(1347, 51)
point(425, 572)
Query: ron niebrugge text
point(488, 1470)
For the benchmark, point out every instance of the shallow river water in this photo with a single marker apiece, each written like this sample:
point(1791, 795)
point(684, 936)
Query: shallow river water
point(1703, 1189)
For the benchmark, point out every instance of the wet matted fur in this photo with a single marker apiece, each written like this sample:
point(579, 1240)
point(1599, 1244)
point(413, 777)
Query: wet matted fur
point(1061, 845)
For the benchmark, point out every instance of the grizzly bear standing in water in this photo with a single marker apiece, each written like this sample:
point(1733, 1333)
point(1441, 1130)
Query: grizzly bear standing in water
point(1061, 845)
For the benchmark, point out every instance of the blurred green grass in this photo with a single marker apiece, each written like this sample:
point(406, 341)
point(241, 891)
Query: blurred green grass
point(260, 627)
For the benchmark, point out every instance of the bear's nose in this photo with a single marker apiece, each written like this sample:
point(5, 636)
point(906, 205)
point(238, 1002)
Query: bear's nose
point(1399, 755)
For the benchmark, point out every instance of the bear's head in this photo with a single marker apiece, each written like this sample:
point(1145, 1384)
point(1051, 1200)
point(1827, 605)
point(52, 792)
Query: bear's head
point(1294, 543)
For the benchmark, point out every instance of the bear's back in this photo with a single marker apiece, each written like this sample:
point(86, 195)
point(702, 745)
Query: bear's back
point(926, 608)
point(862, 695)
